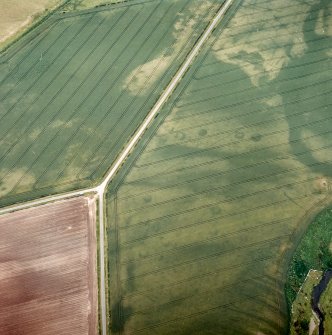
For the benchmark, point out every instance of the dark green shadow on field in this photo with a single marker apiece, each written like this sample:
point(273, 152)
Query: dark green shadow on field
point(323, 75)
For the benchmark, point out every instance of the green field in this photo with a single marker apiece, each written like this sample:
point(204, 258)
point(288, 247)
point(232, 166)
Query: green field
point(74, 90)
point(302, 315)
point(313, 252)
point(73, 5)
point(205, 215)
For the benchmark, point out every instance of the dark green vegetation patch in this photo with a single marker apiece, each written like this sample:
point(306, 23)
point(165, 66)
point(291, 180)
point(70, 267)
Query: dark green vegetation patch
point(313, 252)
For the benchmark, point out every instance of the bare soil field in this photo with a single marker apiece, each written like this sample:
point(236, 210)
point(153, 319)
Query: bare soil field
point(17, 15)
point(48, 282)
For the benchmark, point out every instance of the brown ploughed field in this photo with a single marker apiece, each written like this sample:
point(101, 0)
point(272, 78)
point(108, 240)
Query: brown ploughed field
point(48, 281)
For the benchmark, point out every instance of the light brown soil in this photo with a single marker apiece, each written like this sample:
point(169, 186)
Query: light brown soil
point(48, 281)
point(16, 15)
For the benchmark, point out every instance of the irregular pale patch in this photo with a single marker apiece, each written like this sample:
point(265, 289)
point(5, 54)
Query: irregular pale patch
point(62, 124)
point(260, 52)
point(141, 78)
point(312, 325)
point(35, 133)
point(146, 74)
point(321, 184)
point(274, 101)
point(183, 27)
point(321, 28)
point(14, 177)
point(314, 141)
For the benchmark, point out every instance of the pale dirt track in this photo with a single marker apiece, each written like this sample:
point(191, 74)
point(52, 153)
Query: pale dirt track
point(48, 280)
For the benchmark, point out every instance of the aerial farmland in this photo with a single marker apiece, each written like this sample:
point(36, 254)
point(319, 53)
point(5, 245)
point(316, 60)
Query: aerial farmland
point(48, 282)
point(214, 201)
point(75, 89)
point(166, 168)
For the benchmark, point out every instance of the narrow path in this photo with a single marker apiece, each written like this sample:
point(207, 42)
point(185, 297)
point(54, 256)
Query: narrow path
point(101, 188)
point(102, 263)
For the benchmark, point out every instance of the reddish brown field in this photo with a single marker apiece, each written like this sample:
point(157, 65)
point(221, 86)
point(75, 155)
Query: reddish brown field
point(48, 281)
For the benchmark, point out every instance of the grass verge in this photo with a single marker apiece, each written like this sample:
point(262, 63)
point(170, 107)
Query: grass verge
point(303, 317)
point(313, 252)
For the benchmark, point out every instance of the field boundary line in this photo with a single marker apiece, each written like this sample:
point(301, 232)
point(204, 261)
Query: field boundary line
point(100, 8)
point(45, 200)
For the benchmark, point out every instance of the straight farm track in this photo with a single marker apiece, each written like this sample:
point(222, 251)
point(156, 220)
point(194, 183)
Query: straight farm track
point(48, 272)
point(73, 94)
point(206, 212)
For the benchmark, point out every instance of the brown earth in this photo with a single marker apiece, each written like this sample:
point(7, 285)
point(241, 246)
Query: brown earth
point(48, 281)
point(17, 15)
